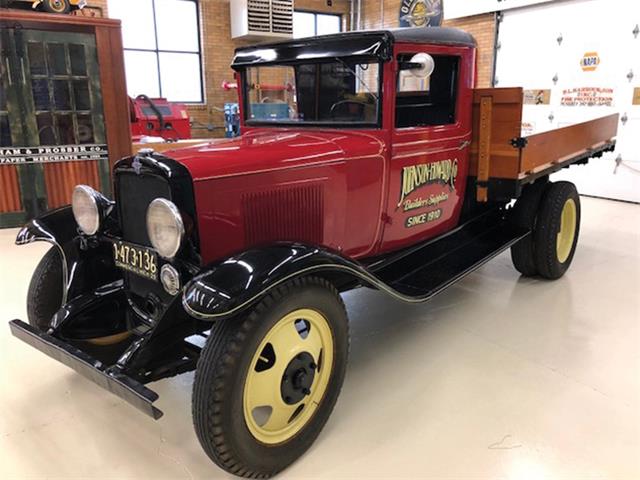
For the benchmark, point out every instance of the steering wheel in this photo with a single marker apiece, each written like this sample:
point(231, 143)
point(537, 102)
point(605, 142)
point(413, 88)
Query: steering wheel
point(343, 103)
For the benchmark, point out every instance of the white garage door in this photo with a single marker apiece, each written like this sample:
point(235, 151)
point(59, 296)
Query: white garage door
point(579, 59)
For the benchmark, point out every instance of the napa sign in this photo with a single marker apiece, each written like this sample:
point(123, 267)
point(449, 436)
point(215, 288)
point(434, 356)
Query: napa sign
point(466, 8)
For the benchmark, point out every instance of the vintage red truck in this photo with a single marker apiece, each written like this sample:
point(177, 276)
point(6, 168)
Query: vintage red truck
point(367, 159)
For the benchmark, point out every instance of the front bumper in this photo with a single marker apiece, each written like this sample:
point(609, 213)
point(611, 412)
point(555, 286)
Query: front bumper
point(110, 379)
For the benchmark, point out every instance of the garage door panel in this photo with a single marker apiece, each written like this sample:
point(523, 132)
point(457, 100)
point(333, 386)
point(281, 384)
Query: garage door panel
point(590, 66)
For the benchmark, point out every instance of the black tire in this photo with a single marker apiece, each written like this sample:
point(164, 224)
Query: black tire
point(548, 226)
point(219, 383)
point(524, 214)
point(56, 6)
point(44, 297)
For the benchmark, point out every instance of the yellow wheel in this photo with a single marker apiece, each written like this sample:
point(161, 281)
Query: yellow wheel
point(56, 6)
point(567, 233)
point(266, 384)
point(288, 376)
point(556, 231)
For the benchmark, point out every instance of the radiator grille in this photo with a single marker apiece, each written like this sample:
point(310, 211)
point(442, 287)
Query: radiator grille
point(135, 193)
point(288, 214)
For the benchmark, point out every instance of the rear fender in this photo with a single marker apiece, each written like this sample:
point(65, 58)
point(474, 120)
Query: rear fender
point(86, 262)
point(230, 286)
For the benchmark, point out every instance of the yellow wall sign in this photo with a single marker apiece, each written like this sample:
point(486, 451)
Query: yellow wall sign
point(636, 96)
point(590, 61)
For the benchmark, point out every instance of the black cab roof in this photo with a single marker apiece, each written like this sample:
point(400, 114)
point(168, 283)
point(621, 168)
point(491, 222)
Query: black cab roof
point(357, 44)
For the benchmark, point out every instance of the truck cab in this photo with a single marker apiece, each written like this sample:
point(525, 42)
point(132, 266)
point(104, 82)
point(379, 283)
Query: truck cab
point(367, 159)
point(360, 152)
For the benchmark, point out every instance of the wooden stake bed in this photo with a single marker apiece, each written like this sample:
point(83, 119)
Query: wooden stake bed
point(503, 161)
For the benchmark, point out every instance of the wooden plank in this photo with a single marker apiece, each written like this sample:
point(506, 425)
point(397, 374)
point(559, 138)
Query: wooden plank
point(114, 93)
point(484, 148)
point(506, 124)
point(556, 146)
point(65, 23)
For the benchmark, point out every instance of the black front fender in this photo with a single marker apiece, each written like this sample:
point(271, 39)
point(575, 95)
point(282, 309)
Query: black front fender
point(229, 286)
point(86, 263)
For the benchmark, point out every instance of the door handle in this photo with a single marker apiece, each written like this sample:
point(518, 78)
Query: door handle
point(464, 144)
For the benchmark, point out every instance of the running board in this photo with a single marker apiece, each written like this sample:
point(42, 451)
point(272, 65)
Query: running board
point(427, 271)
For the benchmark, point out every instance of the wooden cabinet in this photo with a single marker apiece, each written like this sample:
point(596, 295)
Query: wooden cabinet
point(63, 109)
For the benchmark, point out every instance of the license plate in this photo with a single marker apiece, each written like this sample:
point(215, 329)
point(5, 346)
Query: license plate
point(139, 260)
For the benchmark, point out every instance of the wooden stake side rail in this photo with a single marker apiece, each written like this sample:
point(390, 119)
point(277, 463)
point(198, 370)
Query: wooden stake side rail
point(505, 125)
point(499, 154)
point(546, 149)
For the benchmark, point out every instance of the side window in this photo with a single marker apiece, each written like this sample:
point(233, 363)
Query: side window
point(423, 102)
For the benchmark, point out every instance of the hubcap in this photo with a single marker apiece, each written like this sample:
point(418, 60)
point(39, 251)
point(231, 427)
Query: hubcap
point(57, 5)
point(288, 376)
point(567, 233)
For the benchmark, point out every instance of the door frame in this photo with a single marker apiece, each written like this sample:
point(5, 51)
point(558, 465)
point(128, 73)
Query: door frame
point(423, 143)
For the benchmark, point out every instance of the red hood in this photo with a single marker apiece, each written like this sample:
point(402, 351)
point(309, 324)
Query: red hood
point(265, 150)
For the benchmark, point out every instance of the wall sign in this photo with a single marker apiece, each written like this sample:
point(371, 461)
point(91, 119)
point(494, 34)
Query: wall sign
point(421, 13)
point(587, 97)
point(590, 61)
point(66, 153)
point(537, 97)
point(528, 128)
point(636, 96)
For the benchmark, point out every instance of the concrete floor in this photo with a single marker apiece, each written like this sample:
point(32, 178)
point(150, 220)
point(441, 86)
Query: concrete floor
point(499, 377)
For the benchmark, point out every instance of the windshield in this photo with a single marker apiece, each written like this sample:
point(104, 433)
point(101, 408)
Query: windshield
point(335, 92)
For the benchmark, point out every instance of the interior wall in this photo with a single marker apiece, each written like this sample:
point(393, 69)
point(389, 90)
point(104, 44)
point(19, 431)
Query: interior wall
point(218, 48)
point(386, 14)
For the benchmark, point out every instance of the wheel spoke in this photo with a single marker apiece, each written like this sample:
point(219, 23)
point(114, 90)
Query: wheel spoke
point(286, 343)
point(264, 387)
point(280, 415)
point(313, 343)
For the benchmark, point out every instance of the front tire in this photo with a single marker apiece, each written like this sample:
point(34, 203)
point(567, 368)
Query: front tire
point(266, 383)
point(44, 297)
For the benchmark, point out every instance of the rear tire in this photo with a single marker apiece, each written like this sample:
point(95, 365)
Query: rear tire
point(44, 297)
point(557, 230)
point(235, 361)
point(524, 215)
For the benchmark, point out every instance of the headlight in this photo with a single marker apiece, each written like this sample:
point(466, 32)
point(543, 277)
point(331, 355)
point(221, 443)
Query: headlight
point(165, 227)
point(89, 207)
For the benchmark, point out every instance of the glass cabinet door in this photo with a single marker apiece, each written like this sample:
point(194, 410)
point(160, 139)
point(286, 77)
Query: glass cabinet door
point(12, 208)
point(59, 104)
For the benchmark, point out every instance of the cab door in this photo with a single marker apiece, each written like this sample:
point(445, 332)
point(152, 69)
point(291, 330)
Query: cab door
point(430, 145)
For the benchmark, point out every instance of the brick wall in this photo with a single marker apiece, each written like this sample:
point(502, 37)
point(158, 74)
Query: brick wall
point(218, 46)
point(377, 14)
point(482, 27)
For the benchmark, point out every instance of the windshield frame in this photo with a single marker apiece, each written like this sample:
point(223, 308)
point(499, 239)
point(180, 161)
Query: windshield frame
point(313, 124)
